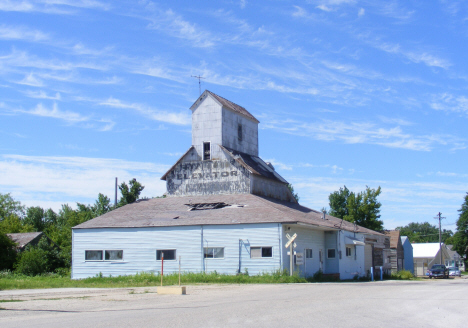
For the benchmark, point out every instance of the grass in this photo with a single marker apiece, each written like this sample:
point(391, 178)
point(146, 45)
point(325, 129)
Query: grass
point(464, 273)
point(10, 280)
point(402, 275)
point(4, 301)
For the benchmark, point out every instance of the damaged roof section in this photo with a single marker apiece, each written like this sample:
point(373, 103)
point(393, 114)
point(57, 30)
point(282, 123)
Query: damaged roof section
point(254, 164)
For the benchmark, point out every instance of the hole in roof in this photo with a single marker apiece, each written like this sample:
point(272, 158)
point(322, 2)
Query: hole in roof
point(206, 206)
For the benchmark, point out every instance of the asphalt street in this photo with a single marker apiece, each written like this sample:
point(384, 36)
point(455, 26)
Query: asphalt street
point(428, 303)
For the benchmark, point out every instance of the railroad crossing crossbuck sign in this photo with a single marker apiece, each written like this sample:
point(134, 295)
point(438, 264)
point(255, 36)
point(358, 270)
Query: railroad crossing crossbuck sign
point(291, 240)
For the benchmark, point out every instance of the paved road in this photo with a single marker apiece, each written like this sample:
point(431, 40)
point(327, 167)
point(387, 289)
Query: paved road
point(429, 303)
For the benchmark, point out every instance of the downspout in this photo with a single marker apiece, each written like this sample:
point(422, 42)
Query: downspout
point(240, 256)
point(202, 259)
point(280, 235)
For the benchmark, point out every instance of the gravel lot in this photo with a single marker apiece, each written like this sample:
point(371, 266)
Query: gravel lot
point(428, 303)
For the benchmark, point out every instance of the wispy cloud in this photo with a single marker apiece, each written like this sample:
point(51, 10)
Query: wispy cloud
point(42, 95)
point(69, 117)
point(21, 33)
point(55, 180)
point(176, 26)
point(152, 113)
point(54, 112)
point(412, 55)
point(51, 6)
point(31, 80)
point(361, 133)
point(450, 103)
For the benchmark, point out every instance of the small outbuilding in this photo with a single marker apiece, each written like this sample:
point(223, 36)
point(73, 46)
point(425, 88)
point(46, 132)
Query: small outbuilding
point(408, 251)
point(455, 259)
point(425, 255)
point(396, 254)
point(25, 238)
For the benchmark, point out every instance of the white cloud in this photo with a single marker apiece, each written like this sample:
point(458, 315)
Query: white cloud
point(450, 103)
point(42, 95)
point(31, 80)
point(21, 33)
point(54, 180)
point(414, 56)
point(176, 26)
point(361, 12)
point(67, 116)
point(360, 132)
point(152, 113)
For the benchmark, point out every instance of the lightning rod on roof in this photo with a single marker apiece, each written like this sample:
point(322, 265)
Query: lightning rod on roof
point(199, 81)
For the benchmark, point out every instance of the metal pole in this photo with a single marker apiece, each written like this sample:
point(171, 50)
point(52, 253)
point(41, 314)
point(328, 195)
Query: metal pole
point(381, 273)
point(115, 202)
point(179, 270)
point(372, 273)
point(291, 259)
point(162, 267)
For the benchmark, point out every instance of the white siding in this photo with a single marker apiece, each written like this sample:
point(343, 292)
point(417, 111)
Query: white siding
point(139, 247)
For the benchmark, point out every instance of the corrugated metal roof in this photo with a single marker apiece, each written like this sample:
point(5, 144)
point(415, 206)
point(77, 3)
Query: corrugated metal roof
point(245, 208)
point(227, 104)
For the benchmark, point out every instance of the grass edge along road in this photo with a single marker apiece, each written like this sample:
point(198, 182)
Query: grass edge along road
point(10, 280)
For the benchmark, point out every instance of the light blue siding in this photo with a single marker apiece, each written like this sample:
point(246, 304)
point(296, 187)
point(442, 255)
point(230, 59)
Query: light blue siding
point(331, 265)
point(139, 247)
point(354, 264)
point(408, 253)
point(306, 238)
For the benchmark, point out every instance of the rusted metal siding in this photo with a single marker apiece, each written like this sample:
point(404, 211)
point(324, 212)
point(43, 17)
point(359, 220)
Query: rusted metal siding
point(249, 141)
point(270, 188)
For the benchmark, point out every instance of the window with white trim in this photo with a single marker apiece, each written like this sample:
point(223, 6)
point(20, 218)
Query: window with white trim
point(93, 255)
point(348, 251)
point(260, 252)
point(308, 253)
point(104, 255)
point(331, 253)
point(169, 254)
point(213, 252)
point(113, 255)
point(206, 151)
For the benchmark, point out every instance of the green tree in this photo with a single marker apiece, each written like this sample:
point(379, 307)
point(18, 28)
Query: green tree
point(32, 262)
point(362, 208)
point(460, 238)
point(10, 206)
point(13, 224)
point(130, 192)
point(35, 216)
point(295, 195)
point(102, 205)
point(423, 232)
point(7, 252)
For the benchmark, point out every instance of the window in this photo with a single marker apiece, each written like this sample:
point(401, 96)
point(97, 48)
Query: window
point(239, 132)
point(169, 254)
point(93, 255)
point(110, 255)
point(114, 255)
point(214, 252)
point(258, 252)
point(308, 253)
point(348, 251)
point(206, 151)
point(331, 253)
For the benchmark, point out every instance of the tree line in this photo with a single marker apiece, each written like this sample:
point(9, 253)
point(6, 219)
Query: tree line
point(52, 254)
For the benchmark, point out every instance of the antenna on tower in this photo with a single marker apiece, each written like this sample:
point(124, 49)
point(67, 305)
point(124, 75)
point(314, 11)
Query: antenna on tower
point(199, 81)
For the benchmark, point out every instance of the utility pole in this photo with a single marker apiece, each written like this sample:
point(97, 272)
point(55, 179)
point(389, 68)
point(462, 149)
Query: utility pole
point(439, 217)
point(199, 81)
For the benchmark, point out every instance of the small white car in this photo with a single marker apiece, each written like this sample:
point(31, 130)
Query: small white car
point(454, 272)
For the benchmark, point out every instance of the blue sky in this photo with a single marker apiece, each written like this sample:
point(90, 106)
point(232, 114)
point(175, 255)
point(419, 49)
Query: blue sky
point(355, 93)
